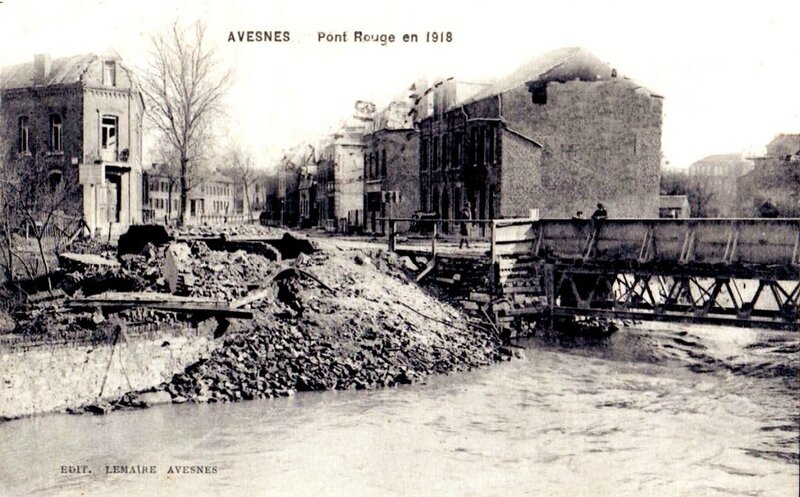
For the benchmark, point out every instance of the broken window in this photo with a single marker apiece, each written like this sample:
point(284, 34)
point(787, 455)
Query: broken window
point(24, 135)
point(55, 133)
point(108, 133)
point(539, 94)
point(110, 73)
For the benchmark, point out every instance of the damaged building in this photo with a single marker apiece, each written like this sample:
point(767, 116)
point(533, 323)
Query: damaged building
point(78, 120)
point(561, 134)
point(391, 175)
point(340, 185)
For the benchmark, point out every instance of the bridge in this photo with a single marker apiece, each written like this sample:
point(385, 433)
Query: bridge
point(734, 272)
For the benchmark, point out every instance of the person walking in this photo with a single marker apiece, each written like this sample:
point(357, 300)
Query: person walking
point(466, 216)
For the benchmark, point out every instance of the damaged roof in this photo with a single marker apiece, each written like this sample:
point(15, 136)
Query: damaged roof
point(561, 65)
point(64, 70)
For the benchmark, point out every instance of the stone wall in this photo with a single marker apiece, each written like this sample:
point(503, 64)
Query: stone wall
point(601, 142)
point(53, 377)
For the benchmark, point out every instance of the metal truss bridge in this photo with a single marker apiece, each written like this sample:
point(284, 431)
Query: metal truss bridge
point(734, 272)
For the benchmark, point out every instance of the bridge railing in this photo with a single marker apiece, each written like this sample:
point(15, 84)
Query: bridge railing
point(765, 242)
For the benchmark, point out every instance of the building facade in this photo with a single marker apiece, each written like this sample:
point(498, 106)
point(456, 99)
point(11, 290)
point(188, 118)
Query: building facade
point(79, 119)
point(391, 176)
point(773, 186)
point(340, 184)
point(559, 135)
point(717, 176)
point(209, 201)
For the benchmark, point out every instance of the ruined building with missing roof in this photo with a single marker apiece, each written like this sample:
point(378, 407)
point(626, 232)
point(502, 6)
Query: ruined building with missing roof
point(78, 120)
point(560, 134)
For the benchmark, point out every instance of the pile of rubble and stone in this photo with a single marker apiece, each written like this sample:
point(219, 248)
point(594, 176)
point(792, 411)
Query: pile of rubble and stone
point(342, 320)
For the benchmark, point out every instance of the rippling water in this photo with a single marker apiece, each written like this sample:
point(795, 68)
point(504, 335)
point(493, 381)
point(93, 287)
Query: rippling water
point(646, 412)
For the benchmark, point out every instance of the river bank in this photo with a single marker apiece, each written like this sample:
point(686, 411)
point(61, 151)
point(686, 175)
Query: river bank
point(632, 414)
point(325, 319)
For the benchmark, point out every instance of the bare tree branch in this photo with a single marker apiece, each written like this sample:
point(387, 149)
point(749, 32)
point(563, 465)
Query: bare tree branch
point(184, 88)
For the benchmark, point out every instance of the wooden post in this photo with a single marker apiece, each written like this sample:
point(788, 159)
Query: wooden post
point(433, 240)
point(392, 235)
point(493, 243)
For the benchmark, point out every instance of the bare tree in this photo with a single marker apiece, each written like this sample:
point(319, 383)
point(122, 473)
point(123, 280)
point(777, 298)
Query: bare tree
point(696, 189)
point(184, 86)
point(41, 211)
point(241, 169)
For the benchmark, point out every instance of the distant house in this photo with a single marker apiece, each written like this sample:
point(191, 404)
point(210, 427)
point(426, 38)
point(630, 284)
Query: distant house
point(674, 206)
point(773, 186)
point(209, 200)
point(79, 120)
point(717, 175)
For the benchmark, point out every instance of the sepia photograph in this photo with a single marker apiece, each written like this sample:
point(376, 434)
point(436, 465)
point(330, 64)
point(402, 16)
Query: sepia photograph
point(418, 248)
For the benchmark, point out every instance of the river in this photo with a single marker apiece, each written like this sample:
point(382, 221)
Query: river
point(650, 411)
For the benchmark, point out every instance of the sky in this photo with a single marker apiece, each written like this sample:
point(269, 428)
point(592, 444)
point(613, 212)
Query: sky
point(728, 71)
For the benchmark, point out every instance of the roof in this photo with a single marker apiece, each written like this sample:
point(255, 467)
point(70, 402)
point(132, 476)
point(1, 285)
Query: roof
point(64, 70)
point(783, 145)
point(561, 65)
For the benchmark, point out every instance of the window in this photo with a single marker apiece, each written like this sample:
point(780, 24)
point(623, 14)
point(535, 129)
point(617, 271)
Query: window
point(473, 148)
point(481, 147)
point(366, 166)
point(490, 145)
point(435, 158)
point(456, 150)
point(110, 73)
point(24, 135)
point(54, 180)
point(55, 133)
point(445, 151)
point(423, 154)
point(383, 163)
point(108, 133)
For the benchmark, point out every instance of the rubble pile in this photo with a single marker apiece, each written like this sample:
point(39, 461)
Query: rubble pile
point(197, 271)
point(339, 322)
point(228, 230)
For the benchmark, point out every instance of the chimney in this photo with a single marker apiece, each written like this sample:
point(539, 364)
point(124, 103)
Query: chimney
point(41, 68)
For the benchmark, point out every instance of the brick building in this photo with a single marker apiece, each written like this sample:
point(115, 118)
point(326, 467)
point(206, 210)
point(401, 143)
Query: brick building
point(560, 134)
point(717, 176)
point(775, 179)
point(390, 167)
point(81, 118)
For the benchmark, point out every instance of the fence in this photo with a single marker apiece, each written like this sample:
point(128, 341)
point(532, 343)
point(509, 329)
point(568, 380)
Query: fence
point(422, 231)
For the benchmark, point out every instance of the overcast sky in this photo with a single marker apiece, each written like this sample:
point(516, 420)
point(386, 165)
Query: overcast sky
point(729, 73)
